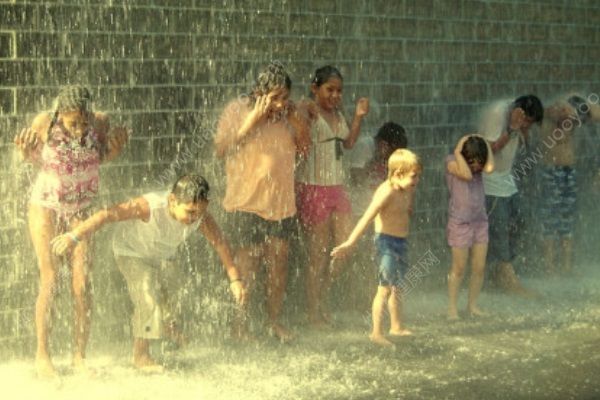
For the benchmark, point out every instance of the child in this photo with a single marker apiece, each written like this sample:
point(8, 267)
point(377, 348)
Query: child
point(154, 226)
point(369, 164)
point(67, 144)
point(467, 218)
point(559, 176)
point(390, 208)
point(259, 137)
point(323, 204)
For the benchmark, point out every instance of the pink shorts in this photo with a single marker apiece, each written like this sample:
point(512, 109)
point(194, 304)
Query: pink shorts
point(466, 234)
point(316, 203)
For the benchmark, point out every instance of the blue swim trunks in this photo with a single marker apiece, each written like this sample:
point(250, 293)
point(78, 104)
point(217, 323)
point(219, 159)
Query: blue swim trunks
point(559, 201)
point(392, 253)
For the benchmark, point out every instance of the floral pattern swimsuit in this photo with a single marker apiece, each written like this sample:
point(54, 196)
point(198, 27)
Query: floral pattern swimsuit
point(68, 180)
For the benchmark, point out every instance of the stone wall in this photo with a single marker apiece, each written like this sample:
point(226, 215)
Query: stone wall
point(165, 67)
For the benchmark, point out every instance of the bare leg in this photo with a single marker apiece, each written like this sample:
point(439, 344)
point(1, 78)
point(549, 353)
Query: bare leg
point(42, 230)
point(549, 255)
point(141, 356)
point(82, 300)
point(508, 281)
point(455, 278)
point(276, 258)
point(318, 239)
point(478, 255)
point(379, 302)
point(395, 311)
point(247, 259)
point(342, 227)
point(566, 246)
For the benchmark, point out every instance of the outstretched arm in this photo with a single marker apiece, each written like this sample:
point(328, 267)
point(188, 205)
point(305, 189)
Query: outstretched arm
point(211, 231)
point(133, 209)
point(380, 198)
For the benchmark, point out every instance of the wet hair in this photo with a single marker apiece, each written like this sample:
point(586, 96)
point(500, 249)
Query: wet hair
point(403, 161)
point(532, 106)
point(71, 98)
point(475, 148)
point(272, 77)
point(325, 73)
point(581, 107)
point(392, 134)
point(190, 188)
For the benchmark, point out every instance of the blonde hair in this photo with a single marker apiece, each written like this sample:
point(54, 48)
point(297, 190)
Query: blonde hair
point(403, 161)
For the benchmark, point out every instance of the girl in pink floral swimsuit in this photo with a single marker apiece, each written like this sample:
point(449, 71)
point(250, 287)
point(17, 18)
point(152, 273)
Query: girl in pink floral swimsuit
point(68, 146)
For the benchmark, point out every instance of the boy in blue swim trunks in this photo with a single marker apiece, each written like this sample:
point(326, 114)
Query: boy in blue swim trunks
point(390, 208)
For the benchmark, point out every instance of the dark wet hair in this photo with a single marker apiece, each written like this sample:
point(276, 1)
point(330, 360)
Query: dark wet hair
point(71, 98)
point(273, 76)
point(475, 148)
point(532, 106)
point(190, 188)
point(325, 73)
point(393, 134)
point(581, 107)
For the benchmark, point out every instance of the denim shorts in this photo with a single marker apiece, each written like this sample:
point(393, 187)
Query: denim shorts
point(392, 253)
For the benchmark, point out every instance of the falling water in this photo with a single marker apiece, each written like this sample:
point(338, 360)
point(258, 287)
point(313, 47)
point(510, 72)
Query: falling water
point(166, 68)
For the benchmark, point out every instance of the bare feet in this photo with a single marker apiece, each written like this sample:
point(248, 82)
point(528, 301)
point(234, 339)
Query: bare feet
point(147, 365)
point(380, 340)
point(400, 332)
point(80, 367)
point(174, 333)
point(453, 315)
point(44, 368)
point(241, 334)
point(476, 312)
point(281, 332)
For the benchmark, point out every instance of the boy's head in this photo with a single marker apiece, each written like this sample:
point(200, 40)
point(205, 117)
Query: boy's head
point(532, 108)
point(582, 108)
point(389, 138)
point(404, 165)
point(475, 152)
point(188, 199)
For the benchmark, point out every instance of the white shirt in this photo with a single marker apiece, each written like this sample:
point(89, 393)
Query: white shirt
point(157, 239)
point(493, 121)
point(323, 166)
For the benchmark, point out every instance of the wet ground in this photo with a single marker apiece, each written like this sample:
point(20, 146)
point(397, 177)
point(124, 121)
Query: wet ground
point(528, 349)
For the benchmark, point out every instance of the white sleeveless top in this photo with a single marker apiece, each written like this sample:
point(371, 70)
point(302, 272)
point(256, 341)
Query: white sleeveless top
point(323, 166)
point(155, 240)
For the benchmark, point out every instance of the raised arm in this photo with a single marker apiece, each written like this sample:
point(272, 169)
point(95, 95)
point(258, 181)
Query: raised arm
point(30, 140)
point(133, 209)
point(231, 131)
point(362, 109)
point(380, 198)
point(112, 139)
point(489, 166)
point(211, 231)
point(459, 167)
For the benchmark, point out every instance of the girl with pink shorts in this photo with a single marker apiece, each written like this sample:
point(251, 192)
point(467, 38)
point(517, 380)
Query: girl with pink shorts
point(323, 204)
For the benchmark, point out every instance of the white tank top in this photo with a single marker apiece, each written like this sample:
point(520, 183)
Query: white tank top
point(155, 240)
point(324, 166)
